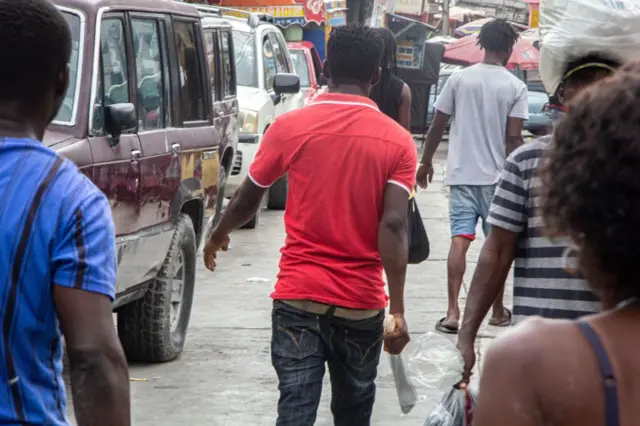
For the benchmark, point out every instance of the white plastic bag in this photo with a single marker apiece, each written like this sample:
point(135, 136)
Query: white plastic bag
point(573, 29)
point(435, 362)
point(454, 409)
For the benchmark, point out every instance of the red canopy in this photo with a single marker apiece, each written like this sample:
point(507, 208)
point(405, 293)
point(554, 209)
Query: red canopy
point(465, 51)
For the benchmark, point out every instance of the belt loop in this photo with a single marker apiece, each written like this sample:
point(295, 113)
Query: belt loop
point(331, 311)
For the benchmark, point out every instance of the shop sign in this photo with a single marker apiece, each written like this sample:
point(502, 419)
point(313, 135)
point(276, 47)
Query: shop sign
point(411, 7)
point(283, 15)
point(314, 11)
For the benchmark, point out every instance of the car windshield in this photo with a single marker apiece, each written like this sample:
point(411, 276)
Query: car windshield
point(65, 114)
point(246, 64)
point(301, 66)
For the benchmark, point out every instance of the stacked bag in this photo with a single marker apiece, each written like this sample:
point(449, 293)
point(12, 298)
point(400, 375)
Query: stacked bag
point(574, 29)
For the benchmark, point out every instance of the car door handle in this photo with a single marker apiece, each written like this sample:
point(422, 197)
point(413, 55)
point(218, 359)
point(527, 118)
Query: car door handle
point(176, 149)
point(220, 114)
point(135, 154)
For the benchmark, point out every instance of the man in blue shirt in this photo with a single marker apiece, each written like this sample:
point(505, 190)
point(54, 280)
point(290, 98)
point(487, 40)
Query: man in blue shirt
point(57, 243)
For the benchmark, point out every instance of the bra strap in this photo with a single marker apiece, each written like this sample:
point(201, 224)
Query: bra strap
point(606, 371)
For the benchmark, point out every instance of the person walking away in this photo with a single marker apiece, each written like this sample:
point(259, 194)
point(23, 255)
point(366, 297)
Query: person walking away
point(57, 243)
point(391, 94)
point(351, 169)
point(541, 285)
point(583, 372)
point(486, 102)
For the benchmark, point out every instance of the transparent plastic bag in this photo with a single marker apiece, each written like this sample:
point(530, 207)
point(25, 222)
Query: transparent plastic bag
point(573, 29)
point(454, 409)
point(435, 362)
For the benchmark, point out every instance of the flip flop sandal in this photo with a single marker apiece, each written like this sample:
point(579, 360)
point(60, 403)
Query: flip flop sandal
point(503, 323)
point(442, 328)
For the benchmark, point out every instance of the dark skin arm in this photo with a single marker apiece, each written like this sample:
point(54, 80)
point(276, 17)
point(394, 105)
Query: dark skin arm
point(514, 134)
point(495, 260)
point(393, 248)
point(404, 113)
point(434, 137)
point(243, 206)
point(98, 368)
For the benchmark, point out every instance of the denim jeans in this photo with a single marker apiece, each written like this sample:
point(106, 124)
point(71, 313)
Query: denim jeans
point(302, 343)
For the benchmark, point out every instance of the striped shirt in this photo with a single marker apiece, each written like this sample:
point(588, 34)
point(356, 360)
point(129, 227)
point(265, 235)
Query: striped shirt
point(542, 287)
point(55, 229)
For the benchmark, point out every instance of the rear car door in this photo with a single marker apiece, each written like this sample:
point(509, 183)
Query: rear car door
point(116, 168)
point(159, 164)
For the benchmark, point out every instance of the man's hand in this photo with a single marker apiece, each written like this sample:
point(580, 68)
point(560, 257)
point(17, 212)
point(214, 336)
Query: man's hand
point(396, 341)
point(424, 175)
point(467, 350)
point(214, 245)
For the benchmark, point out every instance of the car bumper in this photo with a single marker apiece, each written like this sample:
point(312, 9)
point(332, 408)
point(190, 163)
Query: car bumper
point(247, 148)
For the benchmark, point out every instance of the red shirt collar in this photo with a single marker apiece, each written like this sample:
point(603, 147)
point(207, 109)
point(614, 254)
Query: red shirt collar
point(341, 98)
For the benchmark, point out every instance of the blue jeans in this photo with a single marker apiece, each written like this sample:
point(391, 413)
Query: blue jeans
point(468, 204)
point(302, 343)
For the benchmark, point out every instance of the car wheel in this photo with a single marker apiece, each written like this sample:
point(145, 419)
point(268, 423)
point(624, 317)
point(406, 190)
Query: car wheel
point(277, 199)
point(253, 223)
point(154, 328)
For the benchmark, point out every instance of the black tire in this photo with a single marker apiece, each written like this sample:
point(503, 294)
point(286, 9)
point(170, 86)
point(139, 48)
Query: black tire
point(253, 222)
point(277, 199)
point(145, 326)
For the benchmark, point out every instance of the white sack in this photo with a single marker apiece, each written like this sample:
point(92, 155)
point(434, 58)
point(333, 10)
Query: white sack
point(573, 29)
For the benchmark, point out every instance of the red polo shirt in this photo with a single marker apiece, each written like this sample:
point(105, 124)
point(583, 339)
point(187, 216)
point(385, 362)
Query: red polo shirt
point(340, 152)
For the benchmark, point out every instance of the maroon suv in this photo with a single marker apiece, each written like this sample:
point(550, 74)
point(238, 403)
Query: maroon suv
point(151, 117)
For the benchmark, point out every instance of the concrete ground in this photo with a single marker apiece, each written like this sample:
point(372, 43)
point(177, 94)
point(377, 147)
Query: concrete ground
point(225, 378)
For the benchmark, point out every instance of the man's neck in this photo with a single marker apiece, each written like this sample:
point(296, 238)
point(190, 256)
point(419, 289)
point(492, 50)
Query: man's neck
point(349, 89)
point(492, 59)
point(19, 130)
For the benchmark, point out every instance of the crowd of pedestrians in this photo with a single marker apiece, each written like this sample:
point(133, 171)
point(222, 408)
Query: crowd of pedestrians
point(563, 209)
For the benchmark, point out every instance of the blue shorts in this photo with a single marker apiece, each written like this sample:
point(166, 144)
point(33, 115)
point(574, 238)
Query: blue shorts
point(467, 204)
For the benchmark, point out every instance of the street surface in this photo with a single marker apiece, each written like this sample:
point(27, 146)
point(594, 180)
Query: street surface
point(225, 378)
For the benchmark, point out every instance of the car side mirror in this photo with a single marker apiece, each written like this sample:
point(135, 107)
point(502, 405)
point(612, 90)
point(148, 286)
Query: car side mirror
point(119, 119)
point(286, 83)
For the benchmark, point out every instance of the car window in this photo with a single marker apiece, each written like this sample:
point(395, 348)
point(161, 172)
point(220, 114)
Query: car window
point(149, 74)
point(65, 114)
point(229, 78)
point(244, 48)
point(279, 53)
point(211, 41)
point(113, 87)
point(269, 61)
point(301, 66)
point(192, 104)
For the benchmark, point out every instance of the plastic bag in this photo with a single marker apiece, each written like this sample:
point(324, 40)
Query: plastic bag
point(435, 362)
point(573, 29)
point(455, 408)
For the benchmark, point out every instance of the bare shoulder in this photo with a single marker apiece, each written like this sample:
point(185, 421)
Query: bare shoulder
point(531, 341)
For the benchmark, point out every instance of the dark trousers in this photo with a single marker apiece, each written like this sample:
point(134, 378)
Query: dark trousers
point(302, 343)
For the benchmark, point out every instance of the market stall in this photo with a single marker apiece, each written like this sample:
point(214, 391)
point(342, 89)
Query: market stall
point(418, 63)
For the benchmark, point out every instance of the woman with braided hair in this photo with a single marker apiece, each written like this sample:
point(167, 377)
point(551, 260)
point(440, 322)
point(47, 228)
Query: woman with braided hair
point(391, 94)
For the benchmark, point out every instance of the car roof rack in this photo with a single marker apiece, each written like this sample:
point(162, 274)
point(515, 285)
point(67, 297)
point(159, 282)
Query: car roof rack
point(253, 19)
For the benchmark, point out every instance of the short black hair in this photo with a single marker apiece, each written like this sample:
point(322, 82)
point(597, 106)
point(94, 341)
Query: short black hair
point(497, 36)
point(354, 53)
point(587, 69)
point(36, 46)
point(591, 188)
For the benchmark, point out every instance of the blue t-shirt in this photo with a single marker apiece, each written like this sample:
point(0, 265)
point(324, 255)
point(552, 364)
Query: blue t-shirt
point(55, 229)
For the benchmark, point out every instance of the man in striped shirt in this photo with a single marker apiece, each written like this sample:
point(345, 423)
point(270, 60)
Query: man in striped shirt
point(57, 243)
point(543, 286)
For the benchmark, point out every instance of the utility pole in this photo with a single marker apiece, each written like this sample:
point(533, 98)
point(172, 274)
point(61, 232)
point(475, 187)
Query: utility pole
point(445, 17)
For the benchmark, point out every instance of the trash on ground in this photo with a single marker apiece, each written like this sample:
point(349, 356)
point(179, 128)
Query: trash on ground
point(258, 280)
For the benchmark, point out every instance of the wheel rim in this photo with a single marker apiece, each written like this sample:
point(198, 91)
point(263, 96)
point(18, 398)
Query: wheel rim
point(177, 290)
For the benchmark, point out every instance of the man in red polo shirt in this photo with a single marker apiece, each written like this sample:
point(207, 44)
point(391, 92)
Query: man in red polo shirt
point(351, 169)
